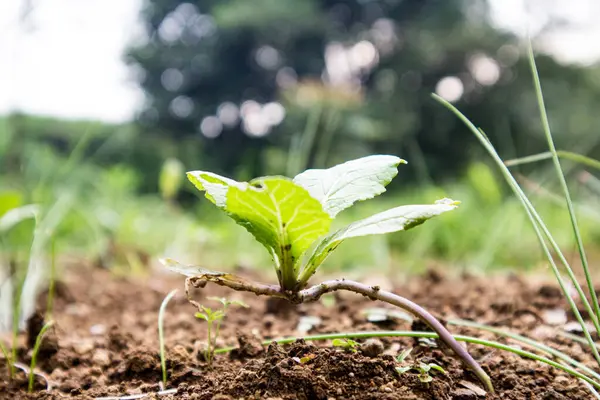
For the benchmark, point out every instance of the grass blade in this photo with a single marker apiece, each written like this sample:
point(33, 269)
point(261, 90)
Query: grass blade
point(8, 358)
point(539, 228)
point(161, 335)
point(52, 283)
point(36, 349)
point(567, 155)
point(563, 182)
point(530, 342)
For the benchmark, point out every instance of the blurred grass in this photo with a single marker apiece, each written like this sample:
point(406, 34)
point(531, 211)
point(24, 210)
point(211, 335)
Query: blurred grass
point(113, 223)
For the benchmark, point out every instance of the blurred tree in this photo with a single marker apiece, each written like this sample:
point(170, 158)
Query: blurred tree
point(224, 74)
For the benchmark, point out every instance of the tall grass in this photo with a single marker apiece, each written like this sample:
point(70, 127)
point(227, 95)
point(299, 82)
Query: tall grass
point(545, 237)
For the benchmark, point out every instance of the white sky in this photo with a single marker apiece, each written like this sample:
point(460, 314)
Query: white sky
point(66, 61)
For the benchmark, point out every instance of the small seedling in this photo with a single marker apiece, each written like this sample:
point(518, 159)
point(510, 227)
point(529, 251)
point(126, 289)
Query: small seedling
point(346, 344)
point(161, 335)
point(36, 349)
point(422, 368)
point(214, 319)
point(291, 219)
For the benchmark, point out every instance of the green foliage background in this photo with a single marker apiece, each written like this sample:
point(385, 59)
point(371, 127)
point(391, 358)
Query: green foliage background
point(118, 218)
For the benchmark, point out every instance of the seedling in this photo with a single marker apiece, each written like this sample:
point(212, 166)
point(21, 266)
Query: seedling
point(291, 219)
point(36, 350)
point(161, 335)
point(346, 344)
point(422, 368)
point(214, 319)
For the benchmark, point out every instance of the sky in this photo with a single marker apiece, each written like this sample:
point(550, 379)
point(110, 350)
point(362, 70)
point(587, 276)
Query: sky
point(83, 76)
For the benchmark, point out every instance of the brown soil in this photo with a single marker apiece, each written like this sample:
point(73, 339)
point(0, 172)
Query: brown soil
point(105, 343)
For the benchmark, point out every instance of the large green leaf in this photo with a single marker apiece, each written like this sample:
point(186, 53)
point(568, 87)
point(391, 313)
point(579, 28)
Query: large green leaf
point(339, 187)
point(396, 219)
point(280, 214)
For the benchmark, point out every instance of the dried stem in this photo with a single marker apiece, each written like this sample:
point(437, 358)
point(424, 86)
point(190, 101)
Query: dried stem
point(315, 292)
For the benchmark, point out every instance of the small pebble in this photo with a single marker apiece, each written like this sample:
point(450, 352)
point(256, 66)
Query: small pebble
point(463, 394)
point(561, 380)
point(557, 316)
point(372, 347)
point(98, 330)
point(83, 347)
point(474, 388)
point(101, 357)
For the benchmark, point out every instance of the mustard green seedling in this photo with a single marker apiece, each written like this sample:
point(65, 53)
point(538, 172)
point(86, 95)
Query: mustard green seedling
point(291, 218)
point(346, 344)
point(213, 319)
point(422, 368)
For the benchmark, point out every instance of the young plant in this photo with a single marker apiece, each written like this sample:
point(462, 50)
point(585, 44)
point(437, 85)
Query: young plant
point(161, 334)
point(34, 353)
point(292, 217)
point(214, 319)
point(346, 344)
point(422, 368)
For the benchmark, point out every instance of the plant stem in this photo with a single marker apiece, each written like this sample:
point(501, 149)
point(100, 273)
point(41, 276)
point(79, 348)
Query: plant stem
point(36, 349)
point(51, 285)
point(563, 182)
point(9, 360)
point(209, 352)
point(161, 334)
point(374, 292)
point(218, 327)
point(429, 335)
point(18, 283)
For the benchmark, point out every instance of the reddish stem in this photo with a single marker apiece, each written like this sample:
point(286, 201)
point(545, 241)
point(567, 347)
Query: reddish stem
point(375, 293)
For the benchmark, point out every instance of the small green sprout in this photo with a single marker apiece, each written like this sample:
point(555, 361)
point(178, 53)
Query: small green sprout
point(404, 355)
point(292, 217)
point(161, 335)
point(346, 344)
point(214, 319)
point(422, 368)
point(36, 350)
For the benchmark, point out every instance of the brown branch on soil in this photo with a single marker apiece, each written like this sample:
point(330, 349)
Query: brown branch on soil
point(315, 292)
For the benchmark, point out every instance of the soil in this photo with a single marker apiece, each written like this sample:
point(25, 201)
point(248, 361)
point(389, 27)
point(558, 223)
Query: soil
point(105, 343)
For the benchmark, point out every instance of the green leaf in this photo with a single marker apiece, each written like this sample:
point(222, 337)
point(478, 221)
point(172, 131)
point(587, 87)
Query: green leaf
point(437, 368)
point(405, 353)
point(207, 310)
point(402, 370)
point(397, 219)
point(202, 316)
point(226, 302)
point(347, 344)
point(424, 367)
point(238, 303)
point(339, 187)
point(281, 215)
